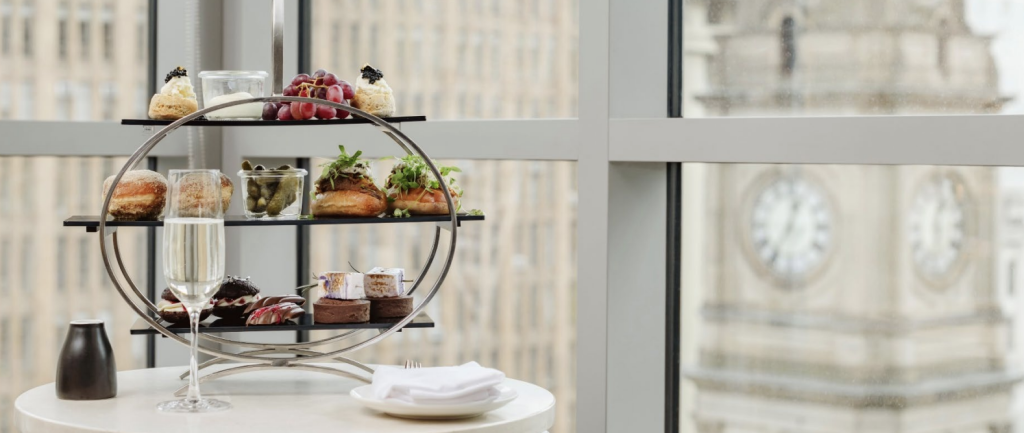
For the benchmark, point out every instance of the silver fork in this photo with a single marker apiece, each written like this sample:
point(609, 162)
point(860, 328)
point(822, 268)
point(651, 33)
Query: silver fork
point(409, 364)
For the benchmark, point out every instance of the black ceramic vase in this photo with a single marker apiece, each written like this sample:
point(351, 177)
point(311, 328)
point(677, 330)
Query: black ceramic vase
point(86, 369)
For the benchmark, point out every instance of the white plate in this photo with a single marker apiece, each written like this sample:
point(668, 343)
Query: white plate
point(401, 409)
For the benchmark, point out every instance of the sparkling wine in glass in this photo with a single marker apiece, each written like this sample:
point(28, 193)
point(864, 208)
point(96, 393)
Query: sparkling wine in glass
point(194, 263)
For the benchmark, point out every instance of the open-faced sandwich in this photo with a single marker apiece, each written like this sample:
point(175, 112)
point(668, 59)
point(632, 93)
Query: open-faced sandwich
point(413, 189)
point(346, 188)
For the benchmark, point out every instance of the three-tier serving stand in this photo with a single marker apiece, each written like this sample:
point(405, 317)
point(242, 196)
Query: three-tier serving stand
point(262, 356)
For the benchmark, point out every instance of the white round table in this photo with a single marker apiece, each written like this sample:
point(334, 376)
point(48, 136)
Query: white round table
point(281, 401)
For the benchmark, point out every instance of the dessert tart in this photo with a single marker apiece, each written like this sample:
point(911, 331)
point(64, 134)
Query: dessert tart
point(139, 196)
point(234, 298)
point(387, 308)
point(172, 310)
point(177, 98)
point(373, 95)
point(346, 189)
point(326, 310)
point(412, 188)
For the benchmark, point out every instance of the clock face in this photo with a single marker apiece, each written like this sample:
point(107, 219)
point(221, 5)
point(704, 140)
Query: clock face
point(938, 221)
point(791, 228)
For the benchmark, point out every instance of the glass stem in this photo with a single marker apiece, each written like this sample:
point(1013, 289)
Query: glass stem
point(193, 367)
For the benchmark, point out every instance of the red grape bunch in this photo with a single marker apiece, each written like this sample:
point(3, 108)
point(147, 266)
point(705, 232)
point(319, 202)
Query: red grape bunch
point(321, 85)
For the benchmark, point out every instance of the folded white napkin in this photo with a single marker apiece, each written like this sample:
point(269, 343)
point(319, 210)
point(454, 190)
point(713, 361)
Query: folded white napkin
point(467, 383)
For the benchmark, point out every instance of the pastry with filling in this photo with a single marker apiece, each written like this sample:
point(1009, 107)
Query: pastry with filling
point(177, 98)
point(234, 297)
point(373, 95)
point(139, 196)
point(172, 310)
point(346, 189)
point(413, 189)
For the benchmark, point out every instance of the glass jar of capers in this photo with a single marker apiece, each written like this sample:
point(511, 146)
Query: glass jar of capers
point(271, 192)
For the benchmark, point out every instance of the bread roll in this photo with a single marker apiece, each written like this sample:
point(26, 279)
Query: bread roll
point(419, 201)
point(139, 196)
point(347, 203)
point(349, 197)
point(193, 198)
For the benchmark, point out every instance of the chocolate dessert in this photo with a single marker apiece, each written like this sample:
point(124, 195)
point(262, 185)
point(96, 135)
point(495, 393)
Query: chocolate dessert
point(234, 297)
point(328, 310)
point(383, 308)
point(172, 310)
point(275, 314)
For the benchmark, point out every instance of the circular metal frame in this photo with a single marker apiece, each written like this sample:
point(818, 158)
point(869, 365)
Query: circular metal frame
point(401, 139)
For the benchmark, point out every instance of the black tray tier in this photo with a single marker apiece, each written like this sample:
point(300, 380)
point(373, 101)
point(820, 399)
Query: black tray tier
point(205, 122)
point(92, 222)
point(214, 325)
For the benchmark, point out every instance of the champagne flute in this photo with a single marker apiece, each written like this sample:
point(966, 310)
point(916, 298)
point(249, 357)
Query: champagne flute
point(194, 263)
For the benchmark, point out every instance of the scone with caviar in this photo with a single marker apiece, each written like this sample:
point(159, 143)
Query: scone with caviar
point(373, 95)
point(346, 189)
point(234, 297)
point(413, 190)
point(172, 310)
point(176, 99)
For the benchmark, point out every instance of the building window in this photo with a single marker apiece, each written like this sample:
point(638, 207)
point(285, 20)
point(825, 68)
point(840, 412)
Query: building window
point(788, 46)
point(62, 31)
point(108, 32)
point(942, 51)
point(85, 29)
point(5, 101)
point(27, 12)
point(5, 28)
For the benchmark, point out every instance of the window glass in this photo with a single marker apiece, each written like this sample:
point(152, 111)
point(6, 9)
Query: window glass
point(50, 275)
point(434, 53)
point(33, 44)
point(509, 300)
point(851, 298)
point(852, 57)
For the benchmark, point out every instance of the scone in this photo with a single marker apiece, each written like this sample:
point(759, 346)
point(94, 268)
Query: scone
point(176, 99)
point(373, 95)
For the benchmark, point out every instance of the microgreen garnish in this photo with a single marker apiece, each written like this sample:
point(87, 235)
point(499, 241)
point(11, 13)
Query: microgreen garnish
point(412, 172)
point(476, 212)
point(342, 166)
point(402, 213)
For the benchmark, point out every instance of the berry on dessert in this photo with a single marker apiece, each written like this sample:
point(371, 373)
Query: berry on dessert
point(346, 188)
point(172, 310)
point(176, 99)
point(412, 188)
point(373, 95)
point(234, 297)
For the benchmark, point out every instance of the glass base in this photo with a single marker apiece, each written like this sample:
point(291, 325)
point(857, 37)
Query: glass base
point(185, 406)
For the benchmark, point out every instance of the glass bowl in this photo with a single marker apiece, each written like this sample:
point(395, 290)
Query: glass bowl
point(225, 86)
point(272, 193)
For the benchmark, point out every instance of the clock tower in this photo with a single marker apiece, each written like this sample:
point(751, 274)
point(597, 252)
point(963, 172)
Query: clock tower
point(845, 298)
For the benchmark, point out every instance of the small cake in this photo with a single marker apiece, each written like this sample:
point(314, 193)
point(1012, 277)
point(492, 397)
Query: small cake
point(176, 99)
point(234, 297)
point(327, 310)
point(341, 285)
point(373, 95)
point(172, 310)
point(275, 314)
point(384, 282)
point(139, 196)
point(384, 308)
